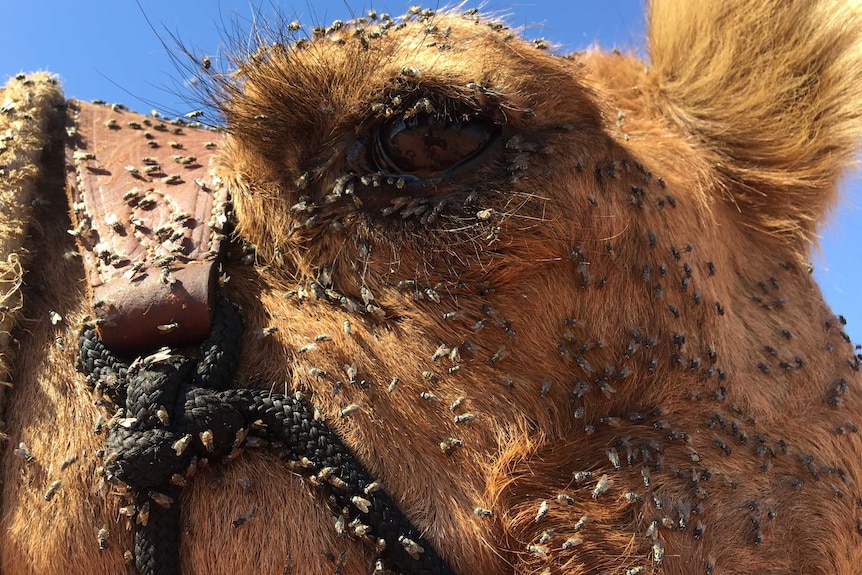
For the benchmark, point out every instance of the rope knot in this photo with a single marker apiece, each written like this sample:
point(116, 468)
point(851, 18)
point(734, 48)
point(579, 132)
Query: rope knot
point(168, 423)
point(177, 409)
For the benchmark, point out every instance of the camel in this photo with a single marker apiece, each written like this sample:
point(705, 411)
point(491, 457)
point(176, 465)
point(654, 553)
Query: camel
point(558, 308)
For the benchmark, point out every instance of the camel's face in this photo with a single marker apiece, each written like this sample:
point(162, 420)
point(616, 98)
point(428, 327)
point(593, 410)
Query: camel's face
point(577, 247)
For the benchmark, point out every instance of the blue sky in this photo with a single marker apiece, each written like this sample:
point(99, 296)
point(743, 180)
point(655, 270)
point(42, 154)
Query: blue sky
point(107, 49)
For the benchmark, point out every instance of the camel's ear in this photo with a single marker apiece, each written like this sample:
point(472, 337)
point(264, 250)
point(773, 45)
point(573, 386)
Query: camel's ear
point(773, 88)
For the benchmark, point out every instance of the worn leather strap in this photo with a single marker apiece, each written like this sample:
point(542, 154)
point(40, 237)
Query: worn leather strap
point(147, 215)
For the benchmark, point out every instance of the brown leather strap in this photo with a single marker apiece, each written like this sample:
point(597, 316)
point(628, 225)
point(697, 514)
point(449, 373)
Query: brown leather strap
point(148, 216)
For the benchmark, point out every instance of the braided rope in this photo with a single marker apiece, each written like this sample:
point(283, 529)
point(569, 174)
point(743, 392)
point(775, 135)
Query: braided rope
point(177, 410)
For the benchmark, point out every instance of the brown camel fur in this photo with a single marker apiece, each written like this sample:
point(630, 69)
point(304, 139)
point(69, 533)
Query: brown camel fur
point(612, 293)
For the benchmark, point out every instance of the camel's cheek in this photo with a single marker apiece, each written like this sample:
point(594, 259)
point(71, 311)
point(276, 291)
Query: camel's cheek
point(262, 519)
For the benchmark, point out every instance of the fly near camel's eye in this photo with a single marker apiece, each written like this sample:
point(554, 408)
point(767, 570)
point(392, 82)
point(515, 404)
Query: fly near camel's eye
point(426, 145)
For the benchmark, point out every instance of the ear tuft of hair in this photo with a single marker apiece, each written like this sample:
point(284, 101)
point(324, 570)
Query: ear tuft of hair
point(773, 88)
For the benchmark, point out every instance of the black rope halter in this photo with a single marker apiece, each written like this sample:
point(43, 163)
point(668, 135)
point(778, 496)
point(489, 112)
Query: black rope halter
point(176, 410)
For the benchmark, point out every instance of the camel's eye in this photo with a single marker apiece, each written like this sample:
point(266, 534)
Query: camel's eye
point(426, 145)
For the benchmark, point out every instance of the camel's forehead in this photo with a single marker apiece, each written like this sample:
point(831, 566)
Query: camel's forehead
point(448, 51)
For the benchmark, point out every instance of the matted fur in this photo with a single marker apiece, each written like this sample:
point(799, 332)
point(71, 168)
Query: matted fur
point(647, 379)
point(26, 107)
